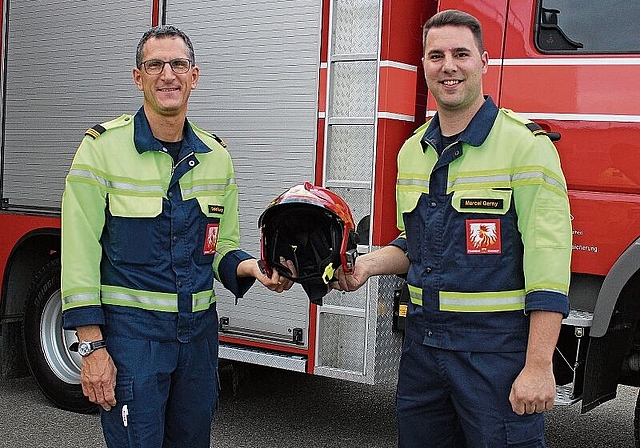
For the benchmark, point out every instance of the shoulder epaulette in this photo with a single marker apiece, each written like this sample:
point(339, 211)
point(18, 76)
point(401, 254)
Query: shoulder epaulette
point(210, 134)
point(535, 128)
point(218, 139)
point(99, 129)
point(95, 131)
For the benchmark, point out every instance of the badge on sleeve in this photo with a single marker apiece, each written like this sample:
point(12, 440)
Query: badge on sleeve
point(210, 239)
point(483, 236)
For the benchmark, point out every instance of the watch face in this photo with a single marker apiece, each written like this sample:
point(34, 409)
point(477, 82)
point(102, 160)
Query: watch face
point(84, 348)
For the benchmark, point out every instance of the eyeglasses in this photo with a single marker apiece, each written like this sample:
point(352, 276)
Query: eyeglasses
point(155, 66)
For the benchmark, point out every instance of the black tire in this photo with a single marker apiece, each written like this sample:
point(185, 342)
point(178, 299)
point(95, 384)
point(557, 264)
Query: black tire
point(636, 423)
point(55, 369)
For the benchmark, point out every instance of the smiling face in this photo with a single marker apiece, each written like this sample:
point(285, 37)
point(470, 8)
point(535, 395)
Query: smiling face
point(453, 67)
point(165, 94)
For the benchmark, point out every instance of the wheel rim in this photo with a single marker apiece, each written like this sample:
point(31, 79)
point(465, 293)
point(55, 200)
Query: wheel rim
point(55, 342)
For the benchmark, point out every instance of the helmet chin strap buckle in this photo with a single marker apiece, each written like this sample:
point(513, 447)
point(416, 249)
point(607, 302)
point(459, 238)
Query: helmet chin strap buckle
point(350, 256)
point(327, 275)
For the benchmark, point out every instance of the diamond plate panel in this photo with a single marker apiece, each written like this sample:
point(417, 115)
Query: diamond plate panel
point(353, 89)
point(356, 299)
point(358, 200)
point(351, 153)
point(355, 26)
point(252, 355)
point(388, 345)
point(341, 337)
point(341, 343)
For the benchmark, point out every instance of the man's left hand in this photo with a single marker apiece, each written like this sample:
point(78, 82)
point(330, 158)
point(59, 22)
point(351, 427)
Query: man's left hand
point(534, 390)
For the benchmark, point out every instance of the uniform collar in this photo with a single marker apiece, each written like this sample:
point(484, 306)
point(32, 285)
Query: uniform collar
point(145, 141)
point(476, 131)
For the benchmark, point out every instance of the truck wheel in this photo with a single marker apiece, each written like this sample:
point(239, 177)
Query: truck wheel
point(55, 369)
point(636, 423)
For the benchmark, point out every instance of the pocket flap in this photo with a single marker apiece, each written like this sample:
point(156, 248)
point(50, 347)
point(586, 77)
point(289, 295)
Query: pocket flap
point(134, 206)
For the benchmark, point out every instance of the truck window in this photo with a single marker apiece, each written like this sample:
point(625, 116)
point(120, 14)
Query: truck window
point(588, 26)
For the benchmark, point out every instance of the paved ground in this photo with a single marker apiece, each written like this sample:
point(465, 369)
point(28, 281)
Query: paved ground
point(277, 409)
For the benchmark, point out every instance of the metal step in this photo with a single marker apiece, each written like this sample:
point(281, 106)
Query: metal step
point(254, 355)
point(578, 318)
point(564, 395)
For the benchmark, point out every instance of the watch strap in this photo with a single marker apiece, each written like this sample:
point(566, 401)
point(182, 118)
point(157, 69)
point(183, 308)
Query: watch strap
point(94, 345)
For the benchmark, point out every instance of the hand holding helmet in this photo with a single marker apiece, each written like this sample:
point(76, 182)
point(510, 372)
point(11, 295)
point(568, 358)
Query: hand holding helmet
point(313, 229)
point(271, 280)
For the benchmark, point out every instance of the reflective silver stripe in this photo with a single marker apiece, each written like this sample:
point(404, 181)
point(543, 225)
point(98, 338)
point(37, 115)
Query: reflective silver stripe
point(74, 299)
point(482, 301)
point(154, 301)
point(474, 301)
point(116, 185)
point(413, 181)
point(479, 180)
point(147, 302)
point(210, 186)
point(415, 294)
point(189, 192)
point(123, 186)
point(203, 300)
point(528, 175)
point(86, 174)
point(492, 179)
point(197, 302)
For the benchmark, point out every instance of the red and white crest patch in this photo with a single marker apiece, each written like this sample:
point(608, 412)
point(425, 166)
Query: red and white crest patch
point(210, 239)
point(483, 236)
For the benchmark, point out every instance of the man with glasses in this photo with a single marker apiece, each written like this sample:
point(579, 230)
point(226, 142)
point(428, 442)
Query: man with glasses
point(149, 219)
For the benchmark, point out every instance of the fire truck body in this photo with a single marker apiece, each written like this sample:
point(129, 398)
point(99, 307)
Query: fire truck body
point(293, 100)
point(325, 91)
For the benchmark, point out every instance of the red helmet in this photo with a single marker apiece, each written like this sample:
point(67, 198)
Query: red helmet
point(312, 227)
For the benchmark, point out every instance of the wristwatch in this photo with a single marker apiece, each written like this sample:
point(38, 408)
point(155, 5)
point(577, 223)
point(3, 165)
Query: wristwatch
point(85, 348)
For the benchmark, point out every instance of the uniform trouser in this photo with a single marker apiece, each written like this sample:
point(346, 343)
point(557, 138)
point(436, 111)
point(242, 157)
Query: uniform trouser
point(166, 393)
point(451, 399)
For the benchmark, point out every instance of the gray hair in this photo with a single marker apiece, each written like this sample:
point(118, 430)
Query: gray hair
point(161, 31)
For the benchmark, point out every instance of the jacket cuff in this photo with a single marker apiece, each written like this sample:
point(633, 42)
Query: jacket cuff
point(82, 316)
point(227, 270)
point(400, 243)
point(547, 301)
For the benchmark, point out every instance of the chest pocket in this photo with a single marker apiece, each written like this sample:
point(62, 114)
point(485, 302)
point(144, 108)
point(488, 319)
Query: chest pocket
point(135, 229)
point(410, 218)
point(407, 202)
point(134, 206)
point(486, 228)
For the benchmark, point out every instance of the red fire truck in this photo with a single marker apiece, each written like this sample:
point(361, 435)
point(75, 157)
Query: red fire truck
point(324, 91)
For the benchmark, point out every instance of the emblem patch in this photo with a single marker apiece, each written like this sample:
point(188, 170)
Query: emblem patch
point(210, 239)
point(216, 209)
point(483, 236)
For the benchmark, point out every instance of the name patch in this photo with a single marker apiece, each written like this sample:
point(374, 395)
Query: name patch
point(216, 209)
point(487, 204)
point(483, 236)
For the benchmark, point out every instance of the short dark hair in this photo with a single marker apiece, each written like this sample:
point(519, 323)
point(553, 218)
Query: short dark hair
point(454, 17)
point(161, 31)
